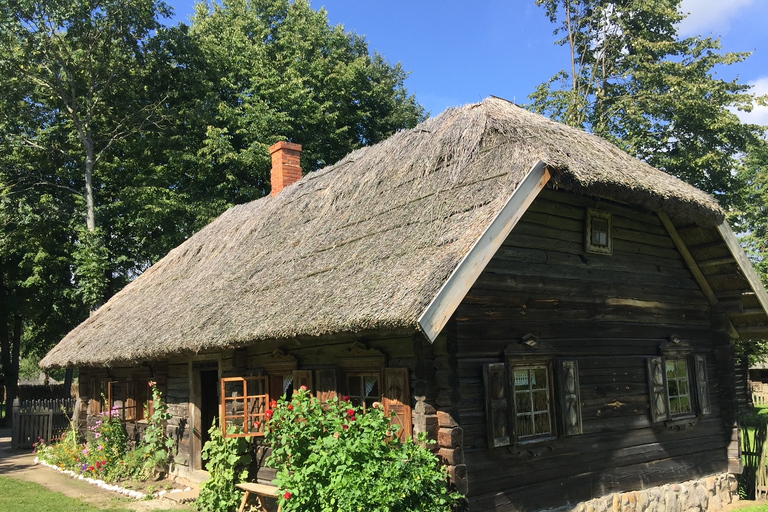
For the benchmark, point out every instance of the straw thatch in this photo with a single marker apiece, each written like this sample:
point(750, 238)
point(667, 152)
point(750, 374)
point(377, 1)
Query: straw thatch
point(364, 244)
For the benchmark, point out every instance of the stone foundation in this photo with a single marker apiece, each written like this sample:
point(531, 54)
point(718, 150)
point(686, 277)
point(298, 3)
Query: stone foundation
point(703, 495)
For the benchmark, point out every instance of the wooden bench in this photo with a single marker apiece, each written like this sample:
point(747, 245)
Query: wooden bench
point(260, 490)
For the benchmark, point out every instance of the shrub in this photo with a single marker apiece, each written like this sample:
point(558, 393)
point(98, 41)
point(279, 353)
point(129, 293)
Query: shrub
point(228, 459)
point(334, 457)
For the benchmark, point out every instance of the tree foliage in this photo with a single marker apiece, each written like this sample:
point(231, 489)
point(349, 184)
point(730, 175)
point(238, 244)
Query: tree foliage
point(121, 137)
point(633, 81)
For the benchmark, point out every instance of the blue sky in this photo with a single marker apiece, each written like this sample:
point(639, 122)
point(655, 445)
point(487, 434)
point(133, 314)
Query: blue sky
point(459, 52)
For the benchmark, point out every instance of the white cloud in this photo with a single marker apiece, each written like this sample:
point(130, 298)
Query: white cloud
point(710, 16)
point(759, 115)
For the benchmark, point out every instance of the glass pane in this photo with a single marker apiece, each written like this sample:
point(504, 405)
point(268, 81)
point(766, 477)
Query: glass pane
point(522, 402)
point(685, 404)
point(681, 367)
point(539, 378)
point(540, 400)
point(672, 386)
point(674, 405)
point(599, 231)
point(355, 385)
point(371, 386)
point(521, 379)
point(682, 386)
point(542, 423)
point(525, 426)
point(670, 369)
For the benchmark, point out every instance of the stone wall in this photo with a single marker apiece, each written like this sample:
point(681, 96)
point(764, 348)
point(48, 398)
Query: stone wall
point(707, 494)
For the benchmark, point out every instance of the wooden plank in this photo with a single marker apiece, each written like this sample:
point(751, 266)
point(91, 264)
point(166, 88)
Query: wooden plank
point(744, 264)
point(436, 315)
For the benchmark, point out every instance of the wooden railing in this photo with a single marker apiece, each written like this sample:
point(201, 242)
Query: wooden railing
point(34, 420)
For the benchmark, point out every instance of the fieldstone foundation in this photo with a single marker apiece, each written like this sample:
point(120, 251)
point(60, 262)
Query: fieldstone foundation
point(703, 495)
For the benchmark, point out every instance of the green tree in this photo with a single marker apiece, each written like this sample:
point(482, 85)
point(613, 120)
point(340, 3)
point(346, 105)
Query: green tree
point(284, 72)
point(633, 81)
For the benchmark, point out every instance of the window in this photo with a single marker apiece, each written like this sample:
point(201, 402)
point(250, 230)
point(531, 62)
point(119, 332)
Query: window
point(244, 405)
point(598, 237)
point(678, 390)
point(532, 402)
point(677, 383)
point(246, 399)
point(126, 398)
point(532, 396)
point(364, 389)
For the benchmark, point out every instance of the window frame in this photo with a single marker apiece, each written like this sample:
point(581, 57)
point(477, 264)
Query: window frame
point(659, 387)
point(259, 398)
point(564, 404)
point(589, 245)
point(550, 409)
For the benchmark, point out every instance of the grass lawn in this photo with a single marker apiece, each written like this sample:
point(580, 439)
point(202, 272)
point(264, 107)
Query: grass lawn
point(20, 496)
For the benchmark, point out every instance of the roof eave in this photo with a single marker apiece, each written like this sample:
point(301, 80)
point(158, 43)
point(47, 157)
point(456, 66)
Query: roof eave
point(455, 288)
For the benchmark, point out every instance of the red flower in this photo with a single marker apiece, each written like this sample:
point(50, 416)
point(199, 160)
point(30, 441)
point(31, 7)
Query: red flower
point(350, 412)
point(345, 398)
point(90, 468)
point(287, 495)
point(273, 404)
point(345, 426)
point(269, 414)
point(352, 418)
point(290, 407)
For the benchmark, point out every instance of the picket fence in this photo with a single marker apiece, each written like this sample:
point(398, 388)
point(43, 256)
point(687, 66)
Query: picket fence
point(45, 419)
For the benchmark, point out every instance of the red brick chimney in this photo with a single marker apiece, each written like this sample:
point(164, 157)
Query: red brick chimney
point(286, 165)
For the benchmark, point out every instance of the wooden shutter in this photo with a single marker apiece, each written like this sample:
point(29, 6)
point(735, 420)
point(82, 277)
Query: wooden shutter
point(302, 378)
point(496, 404)
point(702, 393)
point(657, 388)
point(325, 385)
point(570, 398)
point(397, 399)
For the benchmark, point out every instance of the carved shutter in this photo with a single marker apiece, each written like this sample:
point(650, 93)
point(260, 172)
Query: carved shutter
point(302, 378)
point(570, 399)
point(657, 387)
point(702, 393)
point(325, 385)
point(397, 400)
point(496, 405)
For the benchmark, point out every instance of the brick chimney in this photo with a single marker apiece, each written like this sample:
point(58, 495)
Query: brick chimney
point(286, 165)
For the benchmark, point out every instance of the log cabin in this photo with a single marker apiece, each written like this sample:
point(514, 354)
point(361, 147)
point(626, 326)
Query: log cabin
point(561, 318)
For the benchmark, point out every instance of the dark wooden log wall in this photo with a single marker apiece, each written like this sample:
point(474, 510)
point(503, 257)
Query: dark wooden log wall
point(609, 313)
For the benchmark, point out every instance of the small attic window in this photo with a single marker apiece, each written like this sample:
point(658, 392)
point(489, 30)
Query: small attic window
point(598, 237)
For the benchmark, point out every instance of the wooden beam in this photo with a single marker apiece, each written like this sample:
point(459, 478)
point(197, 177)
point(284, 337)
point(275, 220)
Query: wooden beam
point(715, 262)
point(689, 260)
point(450, 295)
point(748, 312)
point(744, 264)
point(694, 267)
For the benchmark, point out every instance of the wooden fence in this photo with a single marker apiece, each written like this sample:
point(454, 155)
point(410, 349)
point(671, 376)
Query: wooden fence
point(40, 419)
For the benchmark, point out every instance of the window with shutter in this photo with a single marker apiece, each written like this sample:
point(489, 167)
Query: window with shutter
point(496, 405)
point(677, 382)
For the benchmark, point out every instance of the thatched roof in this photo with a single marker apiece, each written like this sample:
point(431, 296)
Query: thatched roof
point(364, 244)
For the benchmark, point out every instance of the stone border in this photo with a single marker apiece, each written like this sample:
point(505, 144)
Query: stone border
point(110, 487)
point(705, 494)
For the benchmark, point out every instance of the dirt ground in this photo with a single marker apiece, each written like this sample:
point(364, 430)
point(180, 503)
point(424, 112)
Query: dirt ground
point(20, 465)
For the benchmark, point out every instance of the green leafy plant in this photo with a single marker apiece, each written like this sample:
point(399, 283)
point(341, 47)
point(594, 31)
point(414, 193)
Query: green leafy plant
point(156, 447)
point(227, 459)
point(335, 457)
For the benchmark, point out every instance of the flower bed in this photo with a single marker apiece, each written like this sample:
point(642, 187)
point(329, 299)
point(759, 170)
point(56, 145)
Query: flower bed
point(106, 458)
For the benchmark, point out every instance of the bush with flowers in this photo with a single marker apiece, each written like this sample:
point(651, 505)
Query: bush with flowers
point(335, 457)
point(227, 460)
point(104, 452)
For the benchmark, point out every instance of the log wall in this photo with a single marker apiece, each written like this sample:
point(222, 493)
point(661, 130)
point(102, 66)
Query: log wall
point(609, 312)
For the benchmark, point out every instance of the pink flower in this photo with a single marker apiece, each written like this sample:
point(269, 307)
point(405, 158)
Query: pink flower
point(303, 388)
point(336, 434)
point(85, 451)
point(376, 405)
point(152, 383)
point(101, 447)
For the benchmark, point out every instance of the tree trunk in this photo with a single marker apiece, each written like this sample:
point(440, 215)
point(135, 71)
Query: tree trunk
point(90, 160)
point(5, 346)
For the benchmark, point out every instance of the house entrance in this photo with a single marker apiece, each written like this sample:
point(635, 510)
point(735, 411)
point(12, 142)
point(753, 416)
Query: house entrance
point(209, 401)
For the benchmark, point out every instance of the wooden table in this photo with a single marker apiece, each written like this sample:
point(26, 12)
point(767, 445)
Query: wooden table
point(260, 490)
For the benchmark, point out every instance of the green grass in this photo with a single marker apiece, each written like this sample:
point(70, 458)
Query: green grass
point(754, 508)
point(20, 496)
